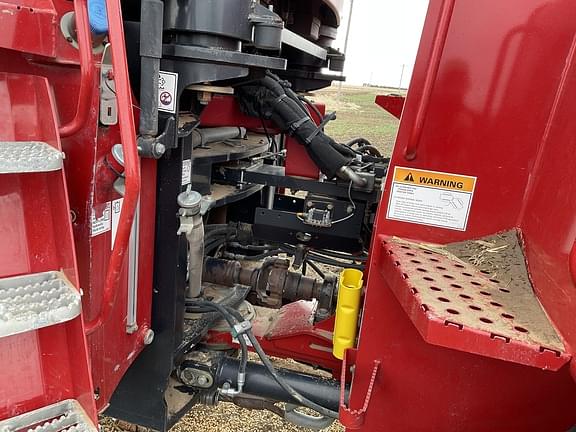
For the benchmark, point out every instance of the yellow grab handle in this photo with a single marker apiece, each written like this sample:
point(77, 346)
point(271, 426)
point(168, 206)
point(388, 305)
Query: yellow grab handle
point(347, 311)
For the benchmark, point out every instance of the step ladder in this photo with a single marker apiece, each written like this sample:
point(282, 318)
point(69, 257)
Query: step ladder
point(45, 381)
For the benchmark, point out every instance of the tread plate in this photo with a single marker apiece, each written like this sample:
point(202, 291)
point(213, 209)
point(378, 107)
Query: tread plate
point(29, 156)
point(34, 301)
point(458, 305)
point(65, 416)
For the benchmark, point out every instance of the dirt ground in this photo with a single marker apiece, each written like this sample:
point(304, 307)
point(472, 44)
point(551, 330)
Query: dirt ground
point(357, 115)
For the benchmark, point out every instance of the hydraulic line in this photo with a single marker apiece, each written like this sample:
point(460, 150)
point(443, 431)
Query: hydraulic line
point(272, 370)
point(231, 314)
point(205, 306)
point(260, 384)
point(273, 96)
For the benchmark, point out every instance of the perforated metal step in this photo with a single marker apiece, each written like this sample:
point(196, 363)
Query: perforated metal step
point(28, 156)
point(34, 301)
point(457, 304)
point(65, 416)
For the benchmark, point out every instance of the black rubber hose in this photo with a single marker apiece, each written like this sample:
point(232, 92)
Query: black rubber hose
point(290, 114)
point(340, 255)
point(230, 314)
point(359, 140)
point(281, 382)
point(210, 247)
point(371, 150)
point(220, 231)
point(211, 227)
point(312, 107)
point(206, 306)
point(335, 263)
point(315, 268)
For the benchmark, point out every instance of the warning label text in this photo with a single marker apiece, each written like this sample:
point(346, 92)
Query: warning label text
point(431, 198)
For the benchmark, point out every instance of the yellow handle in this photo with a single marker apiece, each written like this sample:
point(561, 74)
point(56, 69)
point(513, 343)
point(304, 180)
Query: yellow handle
point(347, 311)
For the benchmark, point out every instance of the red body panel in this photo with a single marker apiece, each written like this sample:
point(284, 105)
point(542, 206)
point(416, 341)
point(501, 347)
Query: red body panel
point(298, 162)
point(50, 364)
point(493, 100)
point(111, 348)
point(394, 104)
point(225, 111)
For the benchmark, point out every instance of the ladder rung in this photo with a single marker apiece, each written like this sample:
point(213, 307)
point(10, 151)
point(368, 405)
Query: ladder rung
point(33, 301)
point(65, 416)
point(29, 156)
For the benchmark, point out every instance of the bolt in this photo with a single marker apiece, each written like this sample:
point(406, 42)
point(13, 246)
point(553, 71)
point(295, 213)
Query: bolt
point(330, 206)
point(202, 380)
point(188, 377)
point(149, 337)
point(159, 149)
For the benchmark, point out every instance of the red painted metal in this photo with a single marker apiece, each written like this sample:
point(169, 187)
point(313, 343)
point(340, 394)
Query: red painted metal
point(403, 266)
point(298, 162)
point(86, 70)
point(131, 163)
point(225, 111)
point(111, 348)
point(394, 104)
point(37, 14)
point(354, 418)
point(50, 364)
point(436, 50)
point(500, 109)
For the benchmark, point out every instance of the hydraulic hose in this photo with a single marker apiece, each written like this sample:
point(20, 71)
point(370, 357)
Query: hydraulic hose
point(205, 306)
point(270, 95)
point(281, 382)
point(230, 314)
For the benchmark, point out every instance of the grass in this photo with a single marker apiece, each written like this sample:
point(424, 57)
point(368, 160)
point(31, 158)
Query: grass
point(358, 115)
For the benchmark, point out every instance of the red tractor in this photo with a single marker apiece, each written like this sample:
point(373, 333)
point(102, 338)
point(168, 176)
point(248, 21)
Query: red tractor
point(167, 191)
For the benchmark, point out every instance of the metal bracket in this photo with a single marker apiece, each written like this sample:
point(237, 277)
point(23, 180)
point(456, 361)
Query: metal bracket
point(108, 103)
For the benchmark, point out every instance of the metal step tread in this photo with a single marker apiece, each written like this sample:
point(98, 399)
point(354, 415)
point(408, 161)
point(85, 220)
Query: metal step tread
point(29, 156)
point(33, 301)
point(456, 301)
point(65, 416)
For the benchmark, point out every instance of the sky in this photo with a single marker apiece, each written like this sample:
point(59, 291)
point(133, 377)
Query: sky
point(384, 36)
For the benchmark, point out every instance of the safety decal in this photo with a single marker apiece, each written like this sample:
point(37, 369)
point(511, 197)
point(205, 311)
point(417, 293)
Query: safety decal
point(186, 172)
point(116, 210)
point(167, 91)
point(431, 198)
point(101, 219)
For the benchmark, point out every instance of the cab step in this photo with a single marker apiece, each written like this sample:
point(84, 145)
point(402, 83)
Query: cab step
point(29, 157)
point(490, 310)
point(34, 301)
point(65, 416)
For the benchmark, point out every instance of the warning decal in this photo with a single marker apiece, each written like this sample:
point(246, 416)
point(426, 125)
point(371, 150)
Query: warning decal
point(431, 198)
point(167, 88)
point(100, 219)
